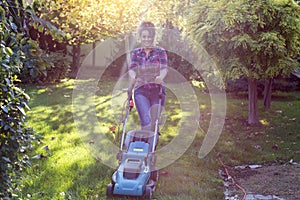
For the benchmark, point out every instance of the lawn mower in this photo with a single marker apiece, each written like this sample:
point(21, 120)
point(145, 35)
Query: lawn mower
point(136, 174)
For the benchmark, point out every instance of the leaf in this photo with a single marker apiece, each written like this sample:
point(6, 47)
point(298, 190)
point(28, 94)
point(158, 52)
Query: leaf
point(6, 159)
point(37, 156)
point(4, 108)
point(7, 81)
point(27, 97)
point(5, 65)
point(8, 51)
point(25, 104)
point(13, 26)
point(6, 127)
point(40, 28)
point(21, 110)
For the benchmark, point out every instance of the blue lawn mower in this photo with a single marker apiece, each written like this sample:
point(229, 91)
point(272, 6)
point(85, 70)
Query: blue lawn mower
point(136, 174)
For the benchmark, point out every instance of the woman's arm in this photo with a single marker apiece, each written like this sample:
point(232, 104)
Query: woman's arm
point(132, 68)
point(163, 67)
point(132, 79)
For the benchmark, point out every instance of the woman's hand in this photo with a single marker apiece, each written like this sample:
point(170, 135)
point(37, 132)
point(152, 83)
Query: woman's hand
point(158, 80)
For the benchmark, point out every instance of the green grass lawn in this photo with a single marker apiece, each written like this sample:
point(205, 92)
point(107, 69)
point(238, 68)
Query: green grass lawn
point(68, 170)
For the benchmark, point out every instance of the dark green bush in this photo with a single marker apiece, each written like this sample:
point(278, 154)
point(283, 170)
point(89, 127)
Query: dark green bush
point(13, 105)
point(287, 84)
point(46, 59)
point(43, 63)
point(42, 67)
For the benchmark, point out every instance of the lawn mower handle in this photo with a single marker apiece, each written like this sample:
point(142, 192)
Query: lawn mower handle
point(128, 109)
point(157, 116)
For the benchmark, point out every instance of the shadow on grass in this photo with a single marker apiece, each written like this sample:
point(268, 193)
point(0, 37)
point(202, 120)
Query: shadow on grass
point(93, 177)
point(63, 174)
point(79, 180)
point(70, 171)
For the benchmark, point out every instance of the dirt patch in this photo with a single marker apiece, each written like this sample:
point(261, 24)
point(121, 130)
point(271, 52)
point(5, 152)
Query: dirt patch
point(268, 182)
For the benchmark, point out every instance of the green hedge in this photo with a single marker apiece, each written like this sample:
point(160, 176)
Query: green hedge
point(14, 137)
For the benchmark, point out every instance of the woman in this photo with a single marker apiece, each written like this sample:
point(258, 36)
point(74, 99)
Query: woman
point(147, 71)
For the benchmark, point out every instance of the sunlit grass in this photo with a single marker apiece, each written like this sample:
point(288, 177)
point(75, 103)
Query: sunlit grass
point(61, 164)
point(68, 170)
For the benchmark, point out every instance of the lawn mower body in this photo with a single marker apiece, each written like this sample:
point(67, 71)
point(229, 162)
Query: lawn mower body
point(136, 174)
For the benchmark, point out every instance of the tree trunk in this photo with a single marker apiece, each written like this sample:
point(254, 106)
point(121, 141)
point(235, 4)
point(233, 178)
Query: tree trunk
point(94, 54)
point(268, 92)
point(252, 102)
point(75, 59)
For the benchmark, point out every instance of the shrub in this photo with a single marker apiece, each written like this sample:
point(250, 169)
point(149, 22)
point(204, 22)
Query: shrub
point(42, 67)
point(279, 84)
point(13, 104)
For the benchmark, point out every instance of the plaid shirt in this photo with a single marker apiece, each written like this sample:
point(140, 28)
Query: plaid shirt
point(148, 67)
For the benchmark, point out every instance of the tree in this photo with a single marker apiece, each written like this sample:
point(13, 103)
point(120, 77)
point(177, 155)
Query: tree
point(170, 13)
point(38, 63)
point(88, 21)
point(253, 39)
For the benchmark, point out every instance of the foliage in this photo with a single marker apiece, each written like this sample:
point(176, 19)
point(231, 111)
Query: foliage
point(182, 66)
point(46, 60)
point(42, 66)
point(241, 85)
point(88, 21)
point(287, 84)
point(46, 51)
point(257, 39)
point(13, 104)
point(253, 39)
point(38, 63)
point(91, 21)
point(169, 14)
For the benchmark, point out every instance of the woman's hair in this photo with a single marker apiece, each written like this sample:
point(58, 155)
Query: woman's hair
point(146, 25)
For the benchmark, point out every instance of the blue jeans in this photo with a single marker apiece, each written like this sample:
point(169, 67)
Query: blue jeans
point(146, 101)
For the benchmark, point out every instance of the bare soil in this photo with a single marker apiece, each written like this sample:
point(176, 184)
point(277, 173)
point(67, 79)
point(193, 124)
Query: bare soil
point(282, 181)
